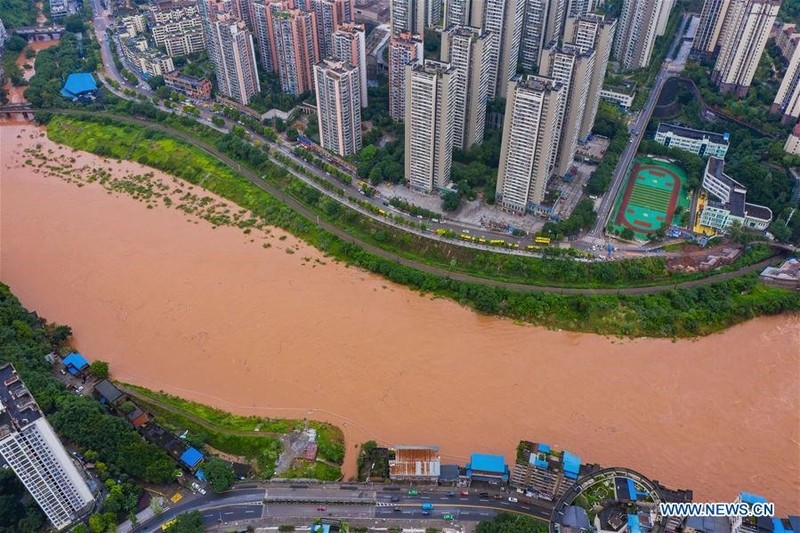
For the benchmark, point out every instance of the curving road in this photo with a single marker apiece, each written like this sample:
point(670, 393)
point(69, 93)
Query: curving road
point(428, 269)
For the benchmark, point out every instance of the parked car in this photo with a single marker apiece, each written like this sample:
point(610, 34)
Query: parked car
point(394, 499)
point(451, 494)
point(321, 508)
point(512, 499)
point(79, 390)
point(447, 517)
point(465, 493)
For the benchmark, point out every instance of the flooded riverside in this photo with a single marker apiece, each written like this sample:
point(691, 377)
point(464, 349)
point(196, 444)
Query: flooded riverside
point(264, 324)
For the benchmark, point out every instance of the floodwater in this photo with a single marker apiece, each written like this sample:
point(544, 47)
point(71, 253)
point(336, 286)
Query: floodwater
point(212, 315)
point(16, 95)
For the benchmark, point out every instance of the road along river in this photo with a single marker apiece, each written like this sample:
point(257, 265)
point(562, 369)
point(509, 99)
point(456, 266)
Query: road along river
point(264, 324)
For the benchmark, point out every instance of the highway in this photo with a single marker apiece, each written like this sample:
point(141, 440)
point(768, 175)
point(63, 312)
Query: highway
point(274, 502)
point(637, 130)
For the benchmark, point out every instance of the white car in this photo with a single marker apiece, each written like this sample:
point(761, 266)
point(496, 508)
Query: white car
point(512, 499)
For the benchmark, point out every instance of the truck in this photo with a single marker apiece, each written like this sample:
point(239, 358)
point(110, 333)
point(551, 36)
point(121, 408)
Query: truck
point(427, 508)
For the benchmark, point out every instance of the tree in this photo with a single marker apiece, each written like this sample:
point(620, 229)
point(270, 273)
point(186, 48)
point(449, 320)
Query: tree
point(99, 369)
point(219, 474)
point(16, 43)
point(97, 523)
point(627, 234)
point(511, 523)
point(155, 82)
point(188, 523)
point(74, 24)
point(450, 201)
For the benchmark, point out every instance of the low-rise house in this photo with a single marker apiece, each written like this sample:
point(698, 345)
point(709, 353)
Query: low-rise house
point(486, 467)
point(416, 464)
point(107, 393)
point(75, 363)
point(787, 275)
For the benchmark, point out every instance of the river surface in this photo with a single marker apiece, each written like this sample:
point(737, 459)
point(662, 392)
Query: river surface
point(212, 315)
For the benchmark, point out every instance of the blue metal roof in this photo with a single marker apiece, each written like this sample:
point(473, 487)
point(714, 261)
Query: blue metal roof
point(78, 83)
point(746, 497)
point(572, 465)
point(488, 463)
point(543, 447)
point(191, 457)
point(320, 528)
point(633, 524)
point(75, 362)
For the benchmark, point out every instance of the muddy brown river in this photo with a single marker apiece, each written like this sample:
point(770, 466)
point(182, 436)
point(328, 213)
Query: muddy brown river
point(212, 315)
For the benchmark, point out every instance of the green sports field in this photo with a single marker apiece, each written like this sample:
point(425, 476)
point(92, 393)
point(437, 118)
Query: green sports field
point(649, 196)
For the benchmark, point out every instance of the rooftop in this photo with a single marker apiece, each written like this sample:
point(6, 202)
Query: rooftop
point(78, 83)
point(415, 461)
point(108, 391)
point(191, 457)
point(758, 211)
point(488, 463)
point(75, 362)
point(17, 406)
point(689, 133)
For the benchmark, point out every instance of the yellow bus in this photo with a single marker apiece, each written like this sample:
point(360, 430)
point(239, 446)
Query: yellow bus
point(482, 240)
point(168, 524)
point(497, 242)
point(441, 232)
point(465, 237)
point(532, 248)
point(542, 240)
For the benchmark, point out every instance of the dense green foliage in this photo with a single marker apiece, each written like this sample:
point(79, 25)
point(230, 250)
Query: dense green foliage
point(219, 474)
point(14, 514)
point(15, 13)
point(693, 164)
point(609, 123)
point(670, 313)
point(582, 217)
point(53, 65)
point(188, 523)
point(511, 523)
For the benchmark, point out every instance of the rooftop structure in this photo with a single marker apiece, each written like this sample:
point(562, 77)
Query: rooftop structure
point(730, 203)
point(79, 85)
point(702, 143)
point(620, 95)
point(191, 458)
point(787, 275)
point(33, 451)
point(415, 463)
point(487, 467)
point(107, 392)
point(197, 88)
point(544, 471)
point(75, 363)
point(792, 145)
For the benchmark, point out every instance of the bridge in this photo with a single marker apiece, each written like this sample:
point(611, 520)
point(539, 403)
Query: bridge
point(40, 33)
point(17, 111)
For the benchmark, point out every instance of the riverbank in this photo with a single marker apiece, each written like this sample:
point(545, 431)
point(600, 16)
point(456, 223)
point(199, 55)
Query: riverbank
point(694, 311)
point(213, 316)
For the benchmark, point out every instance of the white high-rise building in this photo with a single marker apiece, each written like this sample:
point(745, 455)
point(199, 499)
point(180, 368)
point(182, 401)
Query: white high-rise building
point(530, 141)
point(404, 49)
point(712, 19)
point(787, 101)
point(572, 68)
point(33, 451)
point(469, 51)
point(576, 8)
point(338, 106)
point(430, 113)
point(592, 32)
point(464, 13)
point(231, 51)
point(330, 14)
point(349, 45)
point(413, 16)
point(637, 31)
point(504, 20)
point(742, 41)
point(544, 24)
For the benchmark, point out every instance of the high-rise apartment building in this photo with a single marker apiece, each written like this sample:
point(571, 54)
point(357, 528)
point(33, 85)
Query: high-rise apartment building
point(787, 101)
point(742, 41)
point(404, 49)
point(712, 19)
point(468, 50)
point(177, 27)
point(294, 39)
point(261, 12)
point(349, 44)
point(576, 8)
point(530, 141)
point(592, 32)
point(33, 451)
point(330, 15)
point(636, 32)
point(235, 67)
point(544, 24)
point(464, 13)
point(572, 68)
point(338, 106)
point(413, 16)
point(663, 17)
point(430, 114)
point(504, 20)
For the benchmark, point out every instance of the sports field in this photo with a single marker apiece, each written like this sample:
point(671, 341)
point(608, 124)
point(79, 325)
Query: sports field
point(653, 190)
